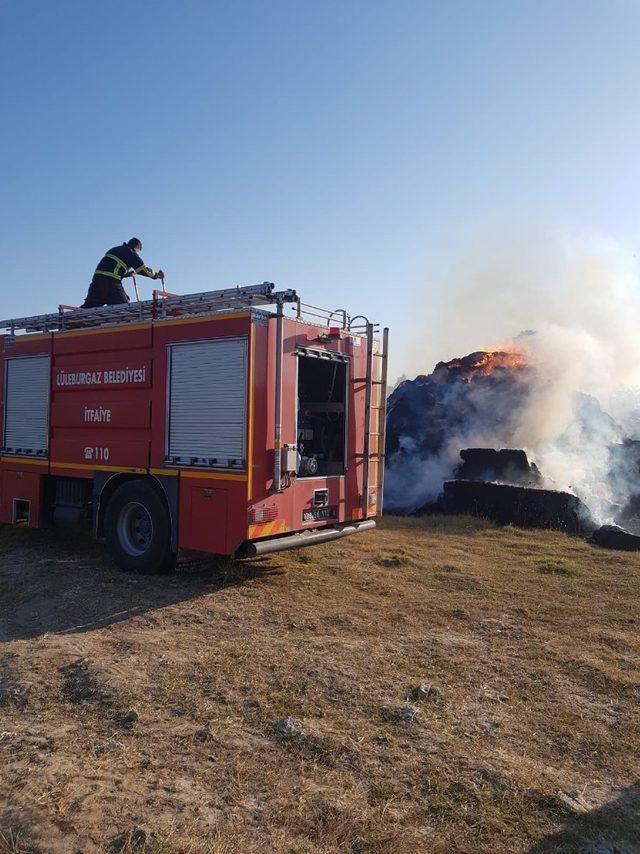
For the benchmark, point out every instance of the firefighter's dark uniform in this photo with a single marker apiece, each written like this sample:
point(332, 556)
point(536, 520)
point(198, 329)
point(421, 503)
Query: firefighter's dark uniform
point(106, 285)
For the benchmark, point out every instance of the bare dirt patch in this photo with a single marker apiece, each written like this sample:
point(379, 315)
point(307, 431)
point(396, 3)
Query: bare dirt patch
point(453, 686)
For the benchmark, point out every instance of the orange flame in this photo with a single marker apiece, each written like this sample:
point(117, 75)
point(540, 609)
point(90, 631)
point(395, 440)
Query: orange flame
point(488, 362)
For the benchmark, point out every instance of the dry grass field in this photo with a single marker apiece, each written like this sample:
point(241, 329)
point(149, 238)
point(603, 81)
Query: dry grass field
point(139, 714)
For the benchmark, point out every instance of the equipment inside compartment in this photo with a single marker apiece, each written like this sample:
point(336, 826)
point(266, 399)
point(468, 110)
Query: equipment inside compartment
point(322, 386)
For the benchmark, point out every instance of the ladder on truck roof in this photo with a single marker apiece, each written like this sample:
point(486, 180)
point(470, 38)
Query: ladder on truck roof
point(163, 306)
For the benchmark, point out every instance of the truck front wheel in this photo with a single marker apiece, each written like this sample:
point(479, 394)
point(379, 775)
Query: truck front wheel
point(138, 530)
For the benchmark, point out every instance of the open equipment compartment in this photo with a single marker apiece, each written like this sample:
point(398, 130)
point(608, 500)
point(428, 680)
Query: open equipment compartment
point(321, 420)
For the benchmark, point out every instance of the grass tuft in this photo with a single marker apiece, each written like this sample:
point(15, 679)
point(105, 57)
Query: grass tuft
point(557, 567)
point(393, 559)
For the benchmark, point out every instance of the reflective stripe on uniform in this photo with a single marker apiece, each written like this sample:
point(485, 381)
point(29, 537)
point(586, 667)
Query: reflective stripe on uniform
point(119, 262)
point(104, 273)
point(146, 271)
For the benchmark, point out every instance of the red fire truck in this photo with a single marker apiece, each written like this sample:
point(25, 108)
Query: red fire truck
point(235, 422)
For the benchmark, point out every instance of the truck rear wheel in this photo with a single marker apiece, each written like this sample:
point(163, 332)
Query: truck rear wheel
point(138, 530)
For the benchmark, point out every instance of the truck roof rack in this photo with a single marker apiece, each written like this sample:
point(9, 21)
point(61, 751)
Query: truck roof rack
point(161, 307)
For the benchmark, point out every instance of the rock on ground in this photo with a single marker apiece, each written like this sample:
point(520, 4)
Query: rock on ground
point(289, 727)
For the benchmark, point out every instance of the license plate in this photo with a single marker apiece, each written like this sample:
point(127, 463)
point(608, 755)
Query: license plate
point(319, 513)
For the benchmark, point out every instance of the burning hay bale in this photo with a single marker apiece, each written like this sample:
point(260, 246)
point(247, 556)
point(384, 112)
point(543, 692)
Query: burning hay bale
point(443, 429)
point(479, 392)
point(430, 418)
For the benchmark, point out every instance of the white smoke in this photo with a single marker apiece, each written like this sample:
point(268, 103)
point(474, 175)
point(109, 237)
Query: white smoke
point(581, 296)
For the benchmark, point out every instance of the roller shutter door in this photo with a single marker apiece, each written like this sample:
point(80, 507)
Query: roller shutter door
point(207, 403)
point(26, 424)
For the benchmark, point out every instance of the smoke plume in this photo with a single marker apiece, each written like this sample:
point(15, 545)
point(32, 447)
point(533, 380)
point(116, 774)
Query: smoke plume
point(579, 299)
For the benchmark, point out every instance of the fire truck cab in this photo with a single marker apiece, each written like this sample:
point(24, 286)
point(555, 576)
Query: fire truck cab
point(233, 422)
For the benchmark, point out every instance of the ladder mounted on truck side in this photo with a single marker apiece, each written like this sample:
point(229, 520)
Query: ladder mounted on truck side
point(374, 379)
point(161, 307)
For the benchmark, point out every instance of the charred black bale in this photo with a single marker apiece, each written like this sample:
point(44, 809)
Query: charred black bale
point(517, 505)
point(613, 537)
point(507, 465)
point(628, 516)
point(624, 477)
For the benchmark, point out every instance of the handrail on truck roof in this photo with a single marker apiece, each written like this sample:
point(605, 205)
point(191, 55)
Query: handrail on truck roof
point(304, 310)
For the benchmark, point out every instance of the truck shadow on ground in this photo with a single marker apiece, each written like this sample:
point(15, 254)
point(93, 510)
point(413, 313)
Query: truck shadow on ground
point(51, 584)
point(613, 828)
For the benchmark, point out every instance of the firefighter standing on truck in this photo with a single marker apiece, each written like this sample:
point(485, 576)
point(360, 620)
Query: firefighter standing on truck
point(106, 285)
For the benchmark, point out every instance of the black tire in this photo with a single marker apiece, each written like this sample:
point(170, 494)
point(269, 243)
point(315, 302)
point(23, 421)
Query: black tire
point(138, 529)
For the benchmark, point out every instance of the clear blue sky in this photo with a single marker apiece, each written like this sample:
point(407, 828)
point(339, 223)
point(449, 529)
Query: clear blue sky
point(343, 148)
